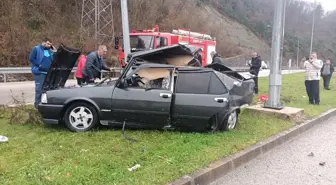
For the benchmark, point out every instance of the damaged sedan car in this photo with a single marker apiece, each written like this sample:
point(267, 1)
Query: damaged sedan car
point(157, 90)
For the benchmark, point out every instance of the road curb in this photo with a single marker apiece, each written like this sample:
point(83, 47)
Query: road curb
point(221, 167)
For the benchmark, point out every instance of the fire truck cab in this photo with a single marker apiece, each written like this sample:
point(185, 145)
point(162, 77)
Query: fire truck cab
point(151, 39)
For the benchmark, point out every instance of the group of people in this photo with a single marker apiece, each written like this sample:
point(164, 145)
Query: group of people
point(315, 69)
point(89, 67)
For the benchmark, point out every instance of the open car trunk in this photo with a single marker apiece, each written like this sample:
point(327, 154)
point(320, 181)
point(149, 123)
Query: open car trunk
point(64, 60)
point(228, 71)
point(241, 87)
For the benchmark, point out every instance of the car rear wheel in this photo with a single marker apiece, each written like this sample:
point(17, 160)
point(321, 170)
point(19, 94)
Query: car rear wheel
point(81, 117)
point(230, 121)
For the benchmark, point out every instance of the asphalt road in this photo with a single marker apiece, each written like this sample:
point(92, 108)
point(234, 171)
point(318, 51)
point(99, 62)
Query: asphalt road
point(26, 89)
point(290, 164)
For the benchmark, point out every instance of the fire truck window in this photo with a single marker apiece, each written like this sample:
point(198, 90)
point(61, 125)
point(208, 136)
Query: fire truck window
point(141, 42)
point(161, 42)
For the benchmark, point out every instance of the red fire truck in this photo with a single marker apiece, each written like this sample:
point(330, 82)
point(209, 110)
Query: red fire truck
point(151, 39)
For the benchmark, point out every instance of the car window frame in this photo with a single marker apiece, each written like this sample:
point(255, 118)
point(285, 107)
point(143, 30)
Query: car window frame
point(171, 76)
point(226, 90)
point(186, 72)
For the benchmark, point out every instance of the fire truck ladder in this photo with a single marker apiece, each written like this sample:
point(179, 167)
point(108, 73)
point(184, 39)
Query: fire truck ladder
point(192, 34)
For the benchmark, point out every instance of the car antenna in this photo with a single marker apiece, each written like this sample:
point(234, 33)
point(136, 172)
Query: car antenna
point(125, 136)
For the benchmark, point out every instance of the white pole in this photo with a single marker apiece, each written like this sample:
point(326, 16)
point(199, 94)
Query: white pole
point(125, 26)
point(313, 28)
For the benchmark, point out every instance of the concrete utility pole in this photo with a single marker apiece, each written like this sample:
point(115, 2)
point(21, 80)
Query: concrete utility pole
point(313, 28)
point(273, 101)
point(126, 37)
point(283, 32)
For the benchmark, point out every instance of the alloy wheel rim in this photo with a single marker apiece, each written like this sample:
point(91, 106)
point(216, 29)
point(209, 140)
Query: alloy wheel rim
point(81, 118)
point(232, 120)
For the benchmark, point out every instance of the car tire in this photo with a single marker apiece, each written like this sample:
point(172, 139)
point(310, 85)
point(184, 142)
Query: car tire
point(81, 117)
point(230, 122)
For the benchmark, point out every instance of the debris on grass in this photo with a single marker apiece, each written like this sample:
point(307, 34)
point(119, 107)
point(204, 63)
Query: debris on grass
point(133, 168)
point(3, 139)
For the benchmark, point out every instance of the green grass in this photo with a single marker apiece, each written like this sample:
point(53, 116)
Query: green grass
point(293, 89)
point(40, 155)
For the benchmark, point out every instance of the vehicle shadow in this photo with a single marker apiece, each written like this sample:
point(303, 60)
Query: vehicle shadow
point(62, 128)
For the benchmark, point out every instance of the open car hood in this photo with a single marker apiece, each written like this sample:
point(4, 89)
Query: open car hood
point(228, 71)
point(64, 60)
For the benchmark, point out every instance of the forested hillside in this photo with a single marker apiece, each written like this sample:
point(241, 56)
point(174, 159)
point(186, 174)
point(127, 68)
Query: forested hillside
point(240, 26)
point(258, 16)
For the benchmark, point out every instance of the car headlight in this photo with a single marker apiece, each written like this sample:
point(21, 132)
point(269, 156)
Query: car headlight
point(44, 98)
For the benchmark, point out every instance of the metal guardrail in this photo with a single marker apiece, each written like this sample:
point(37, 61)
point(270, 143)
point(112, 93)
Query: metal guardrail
point(26, 70)
point(4, 71)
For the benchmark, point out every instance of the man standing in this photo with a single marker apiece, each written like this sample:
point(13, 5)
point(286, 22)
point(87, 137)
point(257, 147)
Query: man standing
point(313, 74)
point(216, 58)
point(94, 65)
point(326, 73)
point(40, 58)
point(255, 68)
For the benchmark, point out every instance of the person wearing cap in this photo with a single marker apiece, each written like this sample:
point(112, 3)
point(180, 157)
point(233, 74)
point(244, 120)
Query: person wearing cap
point(216, 58)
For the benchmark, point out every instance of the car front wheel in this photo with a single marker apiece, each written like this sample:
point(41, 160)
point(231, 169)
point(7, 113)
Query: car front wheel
point(81, 117)
point(230, 121)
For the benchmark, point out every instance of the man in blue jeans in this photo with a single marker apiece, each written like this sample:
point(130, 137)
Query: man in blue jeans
point(40, 58)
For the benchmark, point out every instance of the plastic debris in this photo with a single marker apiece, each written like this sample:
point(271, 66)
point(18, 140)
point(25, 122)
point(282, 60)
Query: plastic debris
point(134, 168)
point(263, 98)
point(3, 139)
point(322, 163)
point(311, 154)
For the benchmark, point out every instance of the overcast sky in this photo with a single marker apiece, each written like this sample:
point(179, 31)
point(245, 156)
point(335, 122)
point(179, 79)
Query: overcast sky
point(328, 5)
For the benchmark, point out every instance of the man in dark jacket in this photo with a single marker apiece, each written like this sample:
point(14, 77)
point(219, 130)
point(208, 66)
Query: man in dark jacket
point(94, 65)
point(255, 68)
point(40, 58)
point(216, 58)
point(326, 73)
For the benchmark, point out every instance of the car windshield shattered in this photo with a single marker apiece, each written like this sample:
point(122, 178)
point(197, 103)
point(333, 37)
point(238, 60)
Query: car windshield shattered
point(158, 89)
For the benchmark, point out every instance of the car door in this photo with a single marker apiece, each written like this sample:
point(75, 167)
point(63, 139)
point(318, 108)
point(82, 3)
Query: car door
point(198, 97)
point(139, 106)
